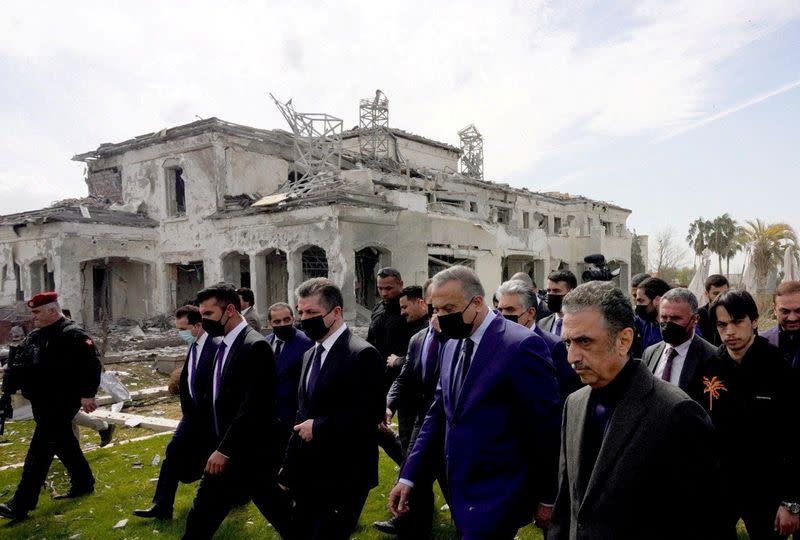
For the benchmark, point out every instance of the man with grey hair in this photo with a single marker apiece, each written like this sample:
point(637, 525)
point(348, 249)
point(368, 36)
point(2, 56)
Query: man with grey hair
point(497, 410)
point(541, 306)
point(517, 303)
point(59, 372)
point(636, 452)
point(677, 357)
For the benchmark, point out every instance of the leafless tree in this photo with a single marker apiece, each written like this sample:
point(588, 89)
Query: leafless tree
point(667, 253)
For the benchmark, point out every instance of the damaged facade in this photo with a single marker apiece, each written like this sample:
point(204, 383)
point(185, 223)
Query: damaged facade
point(172, 211)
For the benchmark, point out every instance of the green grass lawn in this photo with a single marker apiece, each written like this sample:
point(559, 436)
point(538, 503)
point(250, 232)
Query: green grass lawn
point(120, 488)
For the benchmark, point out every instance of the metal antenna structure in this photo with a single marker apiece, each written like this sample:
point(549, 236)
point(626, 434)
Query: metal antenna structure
point(471, 152)
point(317, 140)
point(373, 127)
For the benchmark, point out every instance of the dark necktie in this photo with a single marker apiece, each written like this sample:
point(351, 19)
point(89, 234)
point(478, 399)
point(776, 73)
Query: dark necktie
point(595, 432)
point(218, 368)
point(194, 371)
point(278, 347)
point(463, 364)
point(671, 354)
point(431, 359)
point(557, 326)
point(315, 367)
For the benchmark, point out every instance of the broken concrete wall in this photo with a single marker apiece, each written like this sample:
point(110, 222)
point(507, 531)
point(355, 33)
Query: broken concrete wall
point(105, 183)
point(252, 172)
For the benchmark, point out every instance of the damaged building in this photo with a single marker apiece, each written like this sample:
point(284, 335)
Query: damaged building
point(171, 211)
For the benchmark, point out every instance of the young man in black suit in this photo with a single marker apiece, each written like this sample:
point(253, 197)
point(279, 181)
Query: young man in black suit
point(242, 421)
point(332, 458)
point(190, 446)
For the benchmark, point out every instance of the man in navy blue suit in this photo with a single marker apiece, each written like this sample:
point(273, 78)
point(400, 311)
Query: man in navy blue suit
point(497, 408)
point(191, 444)
point(289, 345)
point(517, 303)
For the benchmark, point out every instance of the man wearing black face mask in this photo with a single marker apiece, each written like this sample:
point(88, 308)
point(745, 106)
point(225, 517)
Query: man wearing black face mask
point(676, 359)
point(559, 283)
point(289, 344)
point(498, 411)
point(648, 297)
point(332, 459)
point(242, 421)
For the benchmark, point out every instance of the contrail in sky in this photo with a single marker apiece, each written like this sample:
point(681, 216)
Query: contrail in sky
point(727, 112)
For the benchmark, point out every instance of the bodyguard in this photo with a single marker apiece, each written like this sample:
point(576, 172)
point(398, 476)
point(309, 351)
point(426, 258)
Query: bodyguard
point(59, 373)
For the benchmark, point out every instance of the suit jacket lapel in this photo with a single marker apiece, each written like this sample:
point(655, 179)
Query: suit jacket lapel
point(232, 354)
point(449, 349)
point(623, 423)
point(578, 413)
point(480, 356)
point(689, 363)
point(658, 352)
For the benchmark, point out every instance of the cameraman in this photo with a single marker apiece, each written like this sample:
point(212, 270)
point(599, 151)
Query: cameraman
point(58, 370)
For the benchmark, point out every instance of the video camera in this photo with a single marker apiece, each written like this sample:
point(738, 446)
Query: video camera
point(598, 269)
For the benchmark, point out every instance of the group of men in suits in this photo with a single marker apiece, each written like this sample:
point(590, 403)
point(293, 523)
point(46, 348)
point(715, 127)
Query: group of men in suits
point(653, 448)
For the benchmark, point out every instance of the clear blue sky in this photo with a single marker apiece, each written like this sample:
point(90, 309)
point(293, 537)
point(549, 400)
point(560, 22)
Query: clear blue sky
point(673, 109)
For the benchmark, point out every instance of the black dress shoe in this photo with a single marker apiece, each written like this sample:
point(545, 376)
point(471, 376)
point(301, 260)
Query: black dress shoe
point(74, 493)
point(154, 511)
point(9, 511)
point(387, 527)
point(106, 434)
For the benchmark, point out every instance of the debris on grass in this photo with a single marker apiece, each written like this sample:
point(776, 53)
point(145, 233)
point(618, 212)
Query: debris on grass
point(120, 524)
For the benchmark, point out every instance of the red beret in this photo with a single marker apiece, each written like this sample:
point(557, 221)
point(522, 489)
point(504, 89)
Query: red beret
point(42, 299)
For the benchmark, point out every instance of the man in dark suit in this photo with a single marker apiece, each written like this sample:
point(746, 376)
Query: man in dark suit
point(191, 444)
point(245, 452)
point(332, 458)
point(288, 344)
point(559, 283)
point(715, 285)
point(676, 359)
point(497, 408)
point(786, 334)
point(540, 305)
point(636, 452)
point(516, 302)
point(414, 389)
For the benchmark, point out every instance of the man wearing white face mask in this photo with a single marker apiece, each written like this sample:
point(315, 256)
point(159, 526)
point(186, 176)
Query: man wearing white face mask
point(190, 446)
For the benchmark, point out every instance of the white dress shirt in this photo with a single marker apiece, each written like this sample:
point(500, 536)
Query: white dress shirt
point(228, 340)
point(326, 346)
point(677, 362)
point(200, 342)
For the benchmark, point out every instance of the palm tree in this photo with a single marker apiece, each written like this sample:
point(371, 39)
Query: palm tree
point(768, 244)
point(698, 236)
point(723, 238)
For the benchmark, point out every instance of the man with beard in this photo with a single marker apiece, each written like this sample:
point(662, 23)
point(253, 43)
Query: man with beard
point(675, 359)
point(559, 283)
point(786, 334)
point(648, 297)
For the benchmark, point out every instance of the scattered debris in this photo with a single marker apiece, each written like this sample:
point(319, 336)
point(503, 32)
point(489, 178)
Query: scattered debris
point(156, 460)
point(120, 524)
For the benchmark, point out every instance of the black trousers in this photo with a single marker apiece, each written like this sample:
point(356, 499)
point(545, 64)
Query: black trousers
point(51, 437)
point(329, 518)
point(185, 459)
point(391, 445)
point(218, 494)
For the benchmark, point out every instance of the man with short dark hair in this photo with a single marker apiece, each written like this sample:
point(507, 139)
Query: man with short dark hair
point(751, 395)
point(648, 297)
point(715, 285)
point(242, 424)
point(497, 410)
point(191, 444)
point(786, 334)
point(247, 302)
point(57, 368)
point(413, 390)
point(677, 357)
point(388, 332)
point(559, 283)
point(332, 458)
point(637, 280)
point(289, 344)
point(636, 452)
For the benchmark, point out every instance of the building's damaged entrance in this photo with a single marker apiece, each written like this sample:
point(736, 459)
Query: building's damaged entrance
point(115, 288)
